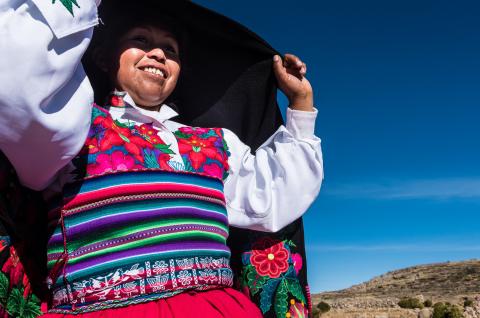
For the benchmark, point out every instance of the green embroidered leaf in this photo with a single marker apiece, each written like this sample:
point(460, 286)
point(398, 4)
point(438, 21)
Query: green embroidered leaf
point(225, 146)
point(15, 303)
point(196, 149)
point(246, 270)
point(120, 124)
point(31, 309)
point(124, 138)
point(164, 148)
point(255, 282)
point(225, 175)
point(68, 4)
point(150, 160)
point(4, 283)
point(34, 298)
point(296, 290)
point(281, 300)
point(182, 135)
point(267, 294)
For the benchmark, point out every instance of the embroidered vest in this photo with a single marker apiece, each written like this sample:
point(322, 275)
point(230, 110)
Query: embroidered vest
point(134, 225)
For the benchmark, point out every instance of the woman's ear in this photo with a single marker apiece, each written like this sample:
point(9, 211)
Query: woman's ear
point(100, 59)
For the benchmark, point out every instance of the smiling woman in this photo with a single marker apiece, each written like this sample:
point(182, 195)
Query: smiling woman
point(143, 59)
point(145, 62)
point(141, 212)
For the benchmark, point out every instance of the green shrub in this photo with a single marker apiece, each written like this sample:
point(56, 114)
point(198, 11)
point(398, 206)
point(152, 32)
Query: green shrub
point(323, 307)
point(410, 303)
point(439, 310)
point(315, 312)
point(447, 310)
point(467, 303)
point(428, 303)
point(454, 312)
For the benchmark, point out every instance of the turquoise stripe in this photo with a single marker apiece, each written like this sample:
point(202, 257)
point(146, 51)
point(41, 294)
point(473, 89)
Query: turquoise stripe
point(143, 177)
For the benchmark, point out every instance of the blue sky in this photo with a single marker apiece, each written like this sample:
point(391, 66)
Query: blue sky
point(397, 85)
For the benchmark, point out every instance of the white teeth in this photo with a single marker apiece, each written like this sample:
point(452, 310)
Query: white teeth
point(154, 71)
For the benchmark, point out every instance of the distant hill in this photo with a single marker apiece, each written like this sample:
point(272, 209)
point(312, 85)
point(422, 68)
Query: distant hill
point(450, 281)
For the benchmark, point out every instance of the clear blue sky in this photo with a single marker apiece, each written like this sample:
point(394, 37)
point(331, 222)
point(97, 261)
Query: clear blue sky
point(397, 85)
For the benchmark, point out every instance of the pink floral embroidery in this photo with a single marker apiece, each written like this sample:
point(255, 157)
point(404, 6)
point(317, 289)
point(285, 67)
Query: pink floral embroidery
point(194, 131)
point(117, 161)
point(297, 262)
point(115, 146)
point(213, 169)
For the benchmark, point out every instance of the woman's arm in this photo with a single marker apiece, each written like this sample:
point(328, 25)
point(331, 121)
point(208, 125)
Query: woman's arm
point(45, 96)
point(274, 187)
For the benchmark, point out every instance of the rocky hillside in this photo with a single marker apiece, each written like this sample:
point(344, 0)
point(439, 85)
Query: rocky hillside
point(451, 281)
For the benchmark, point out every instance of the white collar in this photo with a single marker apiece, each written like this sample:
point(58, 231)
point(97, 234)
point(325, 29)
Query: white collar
point(132, 111)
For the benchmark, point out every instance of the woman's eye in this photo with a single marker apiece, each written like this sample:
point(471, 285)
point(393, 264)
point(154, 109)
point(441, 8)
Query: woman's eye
point(140, 39)
point(169, 49)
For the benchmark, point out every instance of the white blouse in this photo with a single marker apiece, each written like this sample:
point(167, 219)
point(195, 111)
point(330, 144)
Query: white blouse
point(45, 111)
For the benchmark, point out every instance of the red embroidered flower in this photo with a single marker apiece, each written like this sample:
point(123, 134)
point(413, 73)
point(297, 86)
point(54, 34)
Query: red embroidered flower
point(269, 257)
point(14, 268)
point(163, 158)
point(116, 135)
point(297, 310)
point(92, 145)
point(150, 133)
point(197, 149)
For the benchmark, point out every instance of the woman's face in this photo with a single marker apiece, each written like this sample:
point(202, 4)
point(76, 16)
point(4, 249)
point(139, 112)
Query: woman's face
point(147, 65)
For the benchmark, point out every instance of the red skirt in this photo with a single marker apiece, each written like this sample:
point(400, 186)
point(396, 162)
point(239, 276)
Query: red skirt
point(215, 303)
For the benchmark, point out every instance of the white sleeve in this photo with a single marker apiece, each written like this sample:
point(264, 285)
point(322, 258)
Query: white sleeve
point(271, 189)
point(45, 96)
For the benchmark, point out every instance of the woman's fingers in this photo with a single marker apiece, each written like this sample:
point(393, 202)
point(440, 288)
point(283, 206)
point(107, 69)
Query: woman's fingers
point(293, 61)
point(294, 65)
point(279, 68)
point(291, 65)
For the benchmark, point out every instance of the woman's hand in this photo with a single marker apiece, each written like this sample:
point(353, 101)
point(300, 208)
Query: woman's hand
point(291, 79)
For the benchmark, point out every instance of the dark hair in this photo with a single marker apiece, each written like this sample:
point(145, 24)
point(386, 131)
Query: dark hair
point(115, 21)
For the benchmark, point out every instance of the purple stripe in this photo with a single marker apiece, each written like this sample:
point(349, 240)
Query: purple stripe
point(146, 234)
point(136, 216)
point(136, 252)
point(56, 239)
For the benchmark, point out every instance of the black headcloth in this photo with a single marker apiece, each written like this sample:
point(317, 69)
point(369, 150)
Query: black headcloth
point(226, 79)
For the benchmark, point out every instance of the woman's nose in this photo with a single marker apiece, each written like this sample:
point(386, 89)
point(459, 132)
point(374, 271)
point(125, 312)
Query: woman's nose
point(157, 54)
